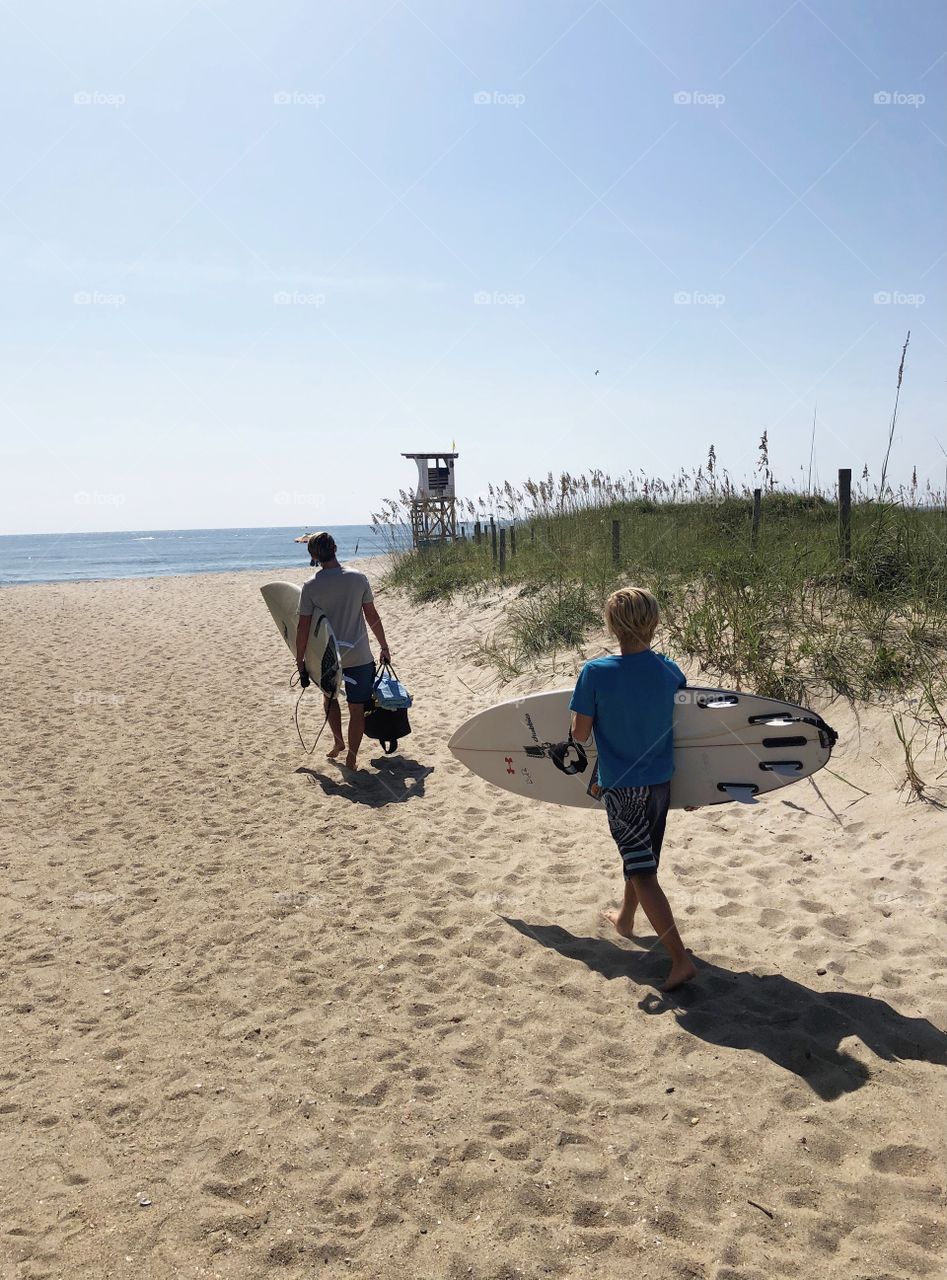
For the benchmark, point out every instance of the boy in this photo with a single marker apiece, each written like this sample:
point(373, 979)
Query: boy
point(627, 700)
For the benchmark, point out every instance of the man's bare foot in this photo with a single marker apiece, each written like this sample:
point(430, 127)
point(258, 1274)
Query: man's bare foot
point(681, 971)
point(337, 748)
point(351, 761)
point(622, 926)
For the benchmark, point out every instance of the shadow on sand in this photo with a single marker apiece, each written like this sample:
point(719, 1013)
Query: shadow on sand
point(792, 1025)
point(393, 780)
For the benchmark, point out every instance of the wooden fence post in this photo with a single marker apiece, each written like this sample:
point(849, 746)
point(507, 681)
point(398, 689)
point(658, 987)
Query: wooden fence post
point(845, 512)
point(493, 536)
point(477, 532)
point(755, 527)
point(616, 543)
point(502, 550)
point(512, 540)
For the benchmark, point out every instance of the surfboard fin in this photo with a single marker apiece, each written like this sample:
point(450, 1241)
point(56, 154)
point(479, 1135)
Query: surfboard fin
point(741, 793)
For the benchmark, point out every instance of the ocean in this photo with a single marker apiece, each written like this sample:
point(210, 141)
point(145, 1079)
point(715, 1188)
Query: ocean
point(157, 553)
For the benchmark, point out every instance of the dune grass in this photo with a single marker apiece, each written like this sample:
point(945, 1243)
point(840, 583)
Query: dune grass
point(776, 606)
point(787, 616)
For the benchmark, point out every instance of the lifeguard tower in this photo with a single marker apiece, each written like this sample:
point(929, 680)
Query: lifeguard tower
point(433, 502)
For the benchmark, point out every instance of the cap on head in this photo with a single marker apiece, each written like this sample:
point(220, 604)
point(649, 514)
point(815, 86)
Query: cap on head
point(322, 548)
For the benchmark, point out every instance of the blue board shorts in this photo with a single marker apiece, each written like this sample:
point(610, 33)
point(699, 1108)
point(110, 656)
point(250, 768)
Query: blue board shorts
point(636, 818)
point(359, 682)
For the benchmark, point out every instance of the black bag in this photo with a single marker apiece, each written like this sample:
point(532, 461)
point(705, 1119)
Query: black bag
point(387, 726)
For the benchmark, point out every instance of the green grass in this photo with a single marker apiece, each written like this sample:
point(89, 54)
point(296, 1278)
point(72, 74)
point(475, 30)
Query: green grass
point(786, 617)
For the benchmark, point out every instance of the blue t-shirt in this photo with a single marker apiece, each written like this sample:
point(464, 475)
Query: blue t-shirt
point(630, 697)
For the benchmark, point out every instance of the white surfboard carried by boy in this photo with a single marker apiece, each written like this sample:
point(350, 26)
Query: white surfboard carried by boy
point(641, 741)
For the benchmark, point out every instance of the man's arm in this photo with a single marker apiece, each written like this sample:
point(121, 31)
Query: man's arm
point(374, 621)
point(303, 627)
point(581, 727)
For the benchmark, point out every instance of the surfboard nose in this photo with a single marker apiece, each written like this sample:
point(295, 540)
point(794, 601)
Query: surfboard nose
point(477, 733)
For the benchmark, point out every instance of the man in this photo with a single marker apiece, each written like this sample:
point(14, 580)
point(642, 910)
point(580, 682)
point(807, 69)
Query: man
point(345, 597)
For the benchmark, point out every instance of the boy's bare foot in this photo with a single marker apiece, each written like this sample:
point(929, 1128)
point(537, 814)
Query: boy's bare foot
point(622, 926)
point(681, 971)
point(337, 748)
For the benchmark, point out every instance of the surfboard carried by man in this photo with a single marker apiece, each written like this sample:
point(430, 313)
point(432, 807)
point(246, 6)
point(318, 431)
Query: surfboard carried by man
point(345, 597)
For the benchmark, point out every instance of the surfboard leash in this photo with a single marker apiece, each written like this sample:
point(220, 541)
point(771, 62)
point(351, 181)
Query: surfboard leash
point(293, 681)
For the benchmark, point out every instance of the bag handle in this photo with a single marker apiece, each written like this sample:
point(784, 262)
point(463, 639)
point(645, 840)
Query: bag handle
point(385, 666)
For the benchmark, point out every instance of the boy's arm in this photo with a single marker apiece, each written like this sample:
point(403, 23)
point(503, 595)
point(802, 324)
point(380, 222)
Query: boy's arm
point(581, 726)
point(581, 732)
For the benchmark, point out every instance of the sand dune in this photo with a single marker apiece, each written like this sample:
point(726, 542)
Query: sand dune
point(261, 1020)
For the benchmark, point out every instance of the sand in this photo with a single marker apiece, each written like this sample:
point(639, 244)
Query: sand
point(261, 1021)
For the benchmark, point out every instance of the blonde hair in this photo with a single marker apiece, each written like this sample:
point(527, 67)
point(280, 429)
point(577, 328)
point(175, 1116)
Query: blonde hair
point(631, 615)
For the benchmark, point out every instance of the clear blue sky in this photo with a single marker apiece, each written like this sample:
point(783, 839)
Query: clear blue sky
point(216, 299)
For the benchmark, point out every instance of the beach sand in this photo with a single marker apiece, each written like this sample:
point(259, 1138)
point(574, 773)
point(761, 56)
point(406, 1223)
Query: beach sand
point(261, 1021)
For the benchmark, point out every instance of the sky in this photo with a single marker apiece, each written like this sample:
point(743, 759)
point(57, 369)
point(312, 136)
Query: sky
point(252, 253)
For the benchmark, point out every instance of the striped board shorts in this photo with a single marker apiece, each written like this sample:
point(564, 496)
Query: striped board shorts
point(636, 819)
